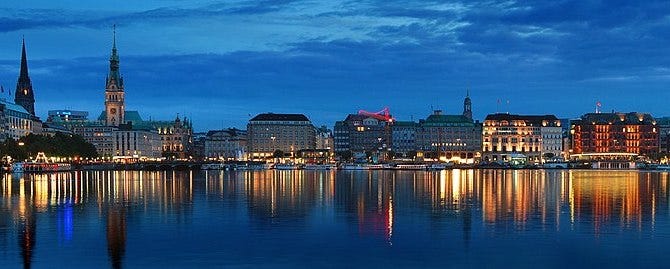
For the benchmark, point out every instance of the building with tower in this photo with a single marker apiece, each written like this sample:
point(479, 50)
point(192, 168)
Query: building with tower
point(114, 95)
point(18, 119)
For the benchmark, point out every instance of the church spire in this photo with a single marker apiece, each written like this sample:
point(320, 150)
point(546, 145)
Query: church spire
point(23, 95)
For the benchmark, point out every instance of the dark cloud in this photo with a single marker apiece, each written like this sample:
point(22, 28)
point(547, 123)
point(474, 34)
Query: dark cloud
point(544, 56)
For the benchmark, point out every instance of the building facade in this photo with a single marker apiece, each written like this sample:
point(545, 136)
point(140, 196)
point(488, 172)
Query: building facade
point(102, 137)
point(633, 132)
point(131, 143)
point(454, 138)
point(533, 138)
point(176, 137)
point(663, 134)
point(228, 144)
point(67, 116)
point(363, 133)
point(15, 121)
point(288, 133)
point(404, 134)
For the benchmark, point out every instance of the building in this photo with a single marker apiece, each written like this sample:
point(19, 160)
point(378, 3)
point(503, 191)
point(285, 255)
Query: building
point(454, 138)
point(403, 136)
point(176, 137)
point(67, 116)
point(324, 138)
point(663, 134)
point(287, 133)
point(528, 137)
point(101, 136)
point(114, 92)
point(364, 132)
point(227, 144)
point(605, 133)
point(15, 121)
point(129, 143)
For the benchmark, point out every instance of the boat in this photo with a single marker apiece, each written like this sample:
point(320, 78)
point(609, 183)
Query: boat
point(213, 166)
point(354, 166)
point(555, 165)
point(439, 166)
point(34, 167)
point(286, 166)
point(312, 166)
point(662, 167)
point(411, 167)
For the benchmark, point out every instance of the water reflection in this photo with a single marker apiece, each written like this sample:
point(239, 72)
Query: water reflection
point(376, 205)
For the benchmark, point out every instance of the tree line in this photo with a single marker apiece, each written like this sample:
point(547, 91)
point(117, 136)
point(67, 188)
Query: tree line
point(60, 145)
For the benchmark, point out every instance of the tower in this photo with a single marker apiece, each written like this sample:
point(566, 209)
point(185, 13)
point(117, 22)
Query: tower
point(114, 94)
point(23, 95)
point(467, 106)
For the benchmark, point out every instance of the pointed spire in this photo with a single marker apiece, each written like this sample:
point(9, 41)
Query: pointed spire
point(114, 76)
point(467, 93)
point(24, 89)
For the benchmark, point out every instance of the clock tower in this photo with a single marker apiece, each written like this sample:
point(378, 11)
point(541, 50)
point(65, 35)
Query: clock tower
point(114, 95)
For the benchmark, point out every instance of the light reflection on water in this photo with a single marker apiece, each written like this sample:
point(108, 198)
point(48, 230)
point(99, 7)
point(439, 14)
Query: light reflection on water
point(348, 218)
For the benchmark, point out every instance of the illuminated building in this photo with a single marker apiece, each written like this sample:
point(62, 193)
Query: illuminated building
point(176, 136)
point(288, 133)
point(615, 133)
point(18, 119)
point(364, 132)
point(535, 137)
point(229, 144)
point(454, 138)
point(15, 121)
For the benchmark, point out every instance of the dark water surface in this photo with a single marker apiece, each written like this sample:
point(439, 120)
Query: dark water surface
point(357, 219)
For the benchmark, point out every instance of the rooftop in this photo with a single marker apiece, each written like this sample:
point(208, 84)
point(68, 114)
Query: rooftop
point(279, 117)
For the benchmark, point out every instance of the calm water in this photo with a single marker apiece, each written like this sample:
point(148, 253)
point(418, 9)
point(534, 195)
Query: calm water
point(312, 219)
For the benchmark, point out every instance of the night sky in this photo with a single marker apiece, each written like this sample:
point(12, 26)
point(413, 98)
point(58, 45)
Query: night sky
point(218, 62)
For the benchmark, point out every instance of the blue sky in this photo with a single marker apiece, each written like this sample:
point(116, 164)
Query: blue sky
point(220, 61)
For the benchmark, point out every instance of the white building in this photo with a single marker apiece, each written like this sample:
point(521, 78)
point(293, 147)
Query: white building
point(15, 121)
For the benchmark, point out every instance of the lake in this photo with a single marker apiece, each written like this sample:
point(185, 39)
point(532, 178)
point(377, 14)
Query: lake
point(335, 219)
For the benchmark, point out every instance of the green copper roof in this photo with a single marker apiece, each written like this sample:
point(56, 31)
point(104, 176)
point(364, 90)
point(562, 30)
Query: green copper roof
point(130, 115)
point(438, 119)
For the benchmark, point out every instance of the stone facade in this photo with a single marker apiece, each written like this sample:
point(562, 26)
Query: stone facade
point(505, 135)
point(288, 133)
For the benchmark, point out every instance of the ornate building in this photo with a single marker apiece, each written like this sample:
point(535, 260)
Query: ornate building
point(531, 138)
point(24, 95)
point(454, 138)
point(114, 94)
point(176, 137)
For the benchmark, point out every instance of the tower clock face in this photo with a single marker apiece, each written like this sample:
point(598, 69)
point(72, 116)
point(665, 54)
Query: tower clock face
point(113, 110)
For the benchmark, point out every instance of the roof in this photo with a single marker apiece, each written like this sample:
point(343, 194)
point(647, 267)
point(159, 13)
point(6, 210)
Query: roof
point(229, 131)
point(447, 119)
point(529, 119)
point(14, 107)
point(404, 124)
point(130, 115)
point(279, 117)
point(617, 118)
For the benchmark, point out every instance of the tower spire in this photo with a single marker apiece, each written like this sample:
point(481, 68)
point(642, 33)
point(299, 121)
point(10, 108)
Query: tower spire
point(23, 95)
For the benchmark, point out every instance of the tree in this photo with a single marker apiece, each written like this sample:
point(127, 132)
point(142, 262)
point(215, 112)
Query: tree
point(345, 155)
point(278, 154)
point(411, 154)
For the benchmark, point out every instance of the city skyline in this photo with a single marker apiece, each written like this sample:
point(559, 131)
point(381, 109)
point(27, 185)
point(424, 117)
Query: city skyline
point(327, 60)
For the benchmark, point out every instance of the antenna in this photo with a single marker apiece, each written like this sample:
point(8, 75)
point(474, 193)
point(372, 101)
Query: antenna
point(598, 106)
